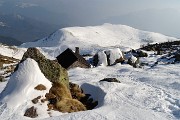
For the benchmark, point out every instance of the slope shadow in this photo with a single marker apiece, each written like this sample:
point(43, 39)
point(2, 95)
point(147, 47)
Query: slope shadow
point(96, 93)
point(176, 114)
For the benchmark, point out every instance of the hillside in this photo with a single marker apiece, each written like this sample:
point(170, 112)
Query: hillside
point(90, 39)
point(25, 29)
point(9, 41)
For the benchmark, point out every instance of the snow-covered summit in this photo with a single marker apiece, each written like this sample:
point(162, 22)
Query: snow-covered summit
point(92, 37)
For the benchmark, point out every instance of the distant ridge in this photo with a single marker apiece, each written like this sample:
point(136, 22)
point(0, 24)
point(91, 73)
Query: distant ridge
point(9, 41)
point(91, 38)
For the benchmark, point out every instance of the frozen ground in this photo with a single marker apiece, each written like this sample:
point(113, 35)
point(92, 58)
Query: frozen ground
point(149, 93)
point(143, 94)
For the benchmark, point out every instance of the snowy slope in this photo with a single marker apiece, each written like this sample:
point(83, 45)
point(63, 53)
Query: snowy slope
point(12, 51)
point(91, 38)
point(141, 95)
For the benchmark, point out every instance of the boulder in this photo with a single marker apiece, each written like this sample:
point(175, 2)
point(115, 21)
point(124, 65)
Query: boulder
point(110, 80)
point(108, 57)
point(35, 100)
point(1, 79)
point(51, 69)
point(31, 112)
point(177, 56)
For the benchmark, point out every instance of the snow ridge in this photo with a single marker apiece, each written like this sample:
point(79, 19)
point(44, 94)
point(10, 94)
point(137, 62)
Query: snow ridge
point(92, 37)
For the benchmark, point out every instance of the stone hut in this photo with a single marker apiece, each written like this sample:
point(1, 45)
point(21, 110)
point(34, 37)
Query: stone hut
point(68, 59)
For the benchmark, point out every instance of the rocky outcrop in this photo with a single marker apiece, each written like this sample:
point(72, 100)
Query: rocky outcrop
point(51, 69)
point(108, 57)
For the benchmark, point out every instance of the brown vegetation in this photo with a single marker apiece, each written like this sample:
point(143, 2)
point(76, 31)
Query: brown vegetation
point(60, 91)
point(40, 87)
point(70, 105)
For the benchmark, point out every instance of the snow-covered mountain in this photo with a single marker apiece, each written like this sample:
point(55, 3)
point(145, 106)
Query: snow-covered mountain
point(91, 38)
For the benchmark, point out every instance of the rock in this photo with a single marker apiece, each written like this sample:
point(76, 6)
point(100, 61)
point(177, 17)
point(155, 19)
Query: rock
point(31, 112)
point(133, 61)
point(35, 100)
point(108, 57)
point(40, 87)
point(139, 53)
point(51, 69)
point(2, 79)
point(177, 56)
point(43, 100)
point(110, 80)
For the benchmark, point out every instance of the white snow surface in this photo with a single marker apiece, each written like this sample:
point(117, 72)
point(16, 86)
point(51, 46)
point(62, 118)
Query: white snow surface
point(92, 38)
point(12, 51)
point(143, 94)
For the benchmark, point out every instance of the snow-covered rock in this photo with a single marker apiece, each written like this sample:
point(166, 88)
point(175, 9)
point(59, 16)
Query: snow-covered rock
point(107, 57)
point(19, 90)
point(102, 57)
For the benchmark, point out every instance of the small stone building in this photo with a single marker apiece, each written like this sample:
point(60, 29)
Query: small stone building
point(68, 59)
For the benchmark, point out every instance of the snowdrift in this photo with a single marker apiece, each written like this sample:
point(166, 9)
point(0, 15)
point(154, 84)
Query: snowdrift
point(19, 90)
point(90, 38)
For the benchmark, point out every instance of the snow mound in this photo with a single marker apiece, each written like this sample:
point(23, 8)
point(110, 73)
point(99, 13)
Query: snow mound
point(19, 90)
point(92, 38)
point(113, 54)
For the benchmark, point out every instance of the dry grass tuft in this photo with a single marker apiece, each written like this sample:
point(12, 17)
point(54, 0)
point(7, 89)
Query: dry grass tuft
point(70, 105)
point(40, 87)
point(60, 91)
